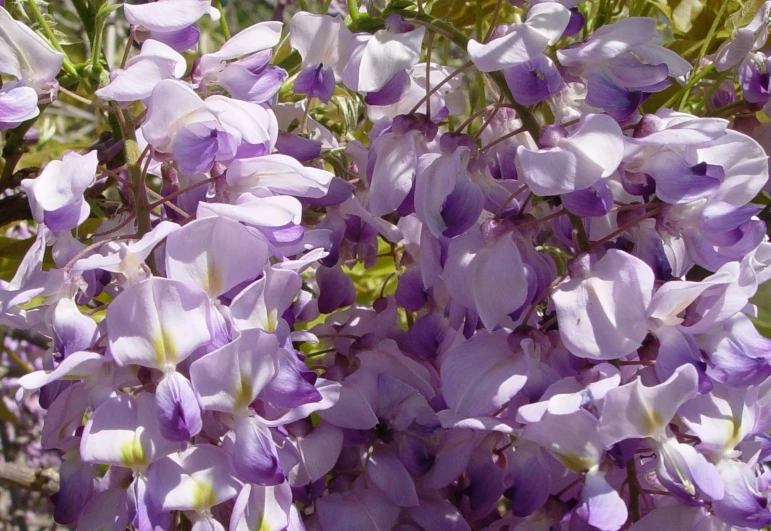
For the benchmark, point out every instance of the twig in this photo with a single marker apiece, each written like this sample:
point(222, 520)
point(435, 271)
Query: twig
point(504, 137)
point(439, 85)
point(81, 99)
point(428, 72)
point(15, 475)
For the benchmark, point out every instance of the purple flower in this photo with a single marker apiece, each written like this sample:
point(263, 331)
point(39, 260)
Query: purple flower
point(56, 195)
point(171, 21)
point(521, 42)
point(533, 81)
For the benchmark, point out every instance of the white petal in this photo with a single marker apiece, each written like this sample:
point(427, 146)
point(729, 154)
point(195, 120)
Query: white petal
point(386, 54)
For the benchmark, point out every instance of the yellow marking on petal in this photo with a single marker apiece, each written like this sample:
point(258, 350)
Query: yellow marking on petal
point(165, 349)
point(576, 463)
point(203, 495)
point(132, 453)
point(130, 264)
point(734, 436)
point(262, 525)
point(244, 392)
point(213, 279)
point(652, 421)
point(272, 323)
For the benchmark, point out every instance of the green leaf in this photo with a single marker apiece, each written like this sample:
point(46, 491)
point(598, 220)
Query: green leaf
point(347, 112)
point(744, 15)
point(12, 252)
point(686, 13)
point(52, 151)
point(106, 10)
point(663, 8)
point(462, 13)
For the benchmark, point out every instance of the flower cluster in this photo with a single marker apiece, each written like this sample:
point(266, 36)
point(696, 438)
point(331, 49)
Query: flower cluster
point(332, 298)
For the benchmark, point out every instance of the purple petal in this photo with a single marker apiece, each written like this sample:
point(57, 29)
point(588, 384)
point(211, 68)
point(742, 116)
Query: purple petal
point(254, 455)
point(393, 91)
point(534, 81)
point(617, 101)
point(293, 384)
point(410, 294)
point(678, 183)
point(17, 105)
point(179, 415)
point(602, 506)
point(596, 200)
point(179, 40)
point(575, 24)
point(336, 289)
point(72, 330)
point(605, 329)
point(76, 486)
point(298, 147)
point(532, 481)
point(196, 148)
point(389, 474)
point(461, 207)
point(319, 452)
point(482, 374)
point(356, 510)
point(543, 27)
point(316, 82)
point(243, 84)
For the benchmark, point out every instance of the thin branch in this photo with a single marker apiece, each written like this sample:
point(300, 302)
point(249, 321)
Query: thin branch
point(428, 72)
point(15, 475)
point(439, 85)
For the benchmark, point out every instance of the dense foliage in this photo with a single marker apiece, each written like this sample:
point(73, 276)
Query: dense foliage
point(441, 265)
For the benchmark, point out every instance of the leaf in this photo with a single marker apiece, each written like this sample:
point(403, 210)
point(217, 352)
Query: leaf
point(12, 252)
point(663, 7)
point(53, 151)
point(686, 12)
point(107, 10)
point(347, 111)
point(743, 17)
point(463, 13)
point(559, 256)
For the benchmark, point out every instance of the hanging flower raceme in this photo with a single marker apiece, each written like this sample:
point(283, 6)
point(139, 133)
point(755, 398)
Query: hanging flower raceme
point(374, 273)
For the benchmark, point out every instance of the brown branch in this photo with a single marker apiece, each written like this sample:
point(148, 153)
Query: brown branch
point(14, 208)
point(30, 336)
point(15, 475)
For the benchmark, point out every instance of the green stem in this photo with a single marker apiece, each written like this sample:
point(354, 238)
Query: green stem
point(712, 31)
point(138, 178)
point(682, 94)
point(67, 64)
point(26, 367)
point(703, 51)
point(727, 109)
point(353, 10)
point(223, 20)
point(479, 20)
point(96, 46)
point(583, 239)
point(325, 7)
